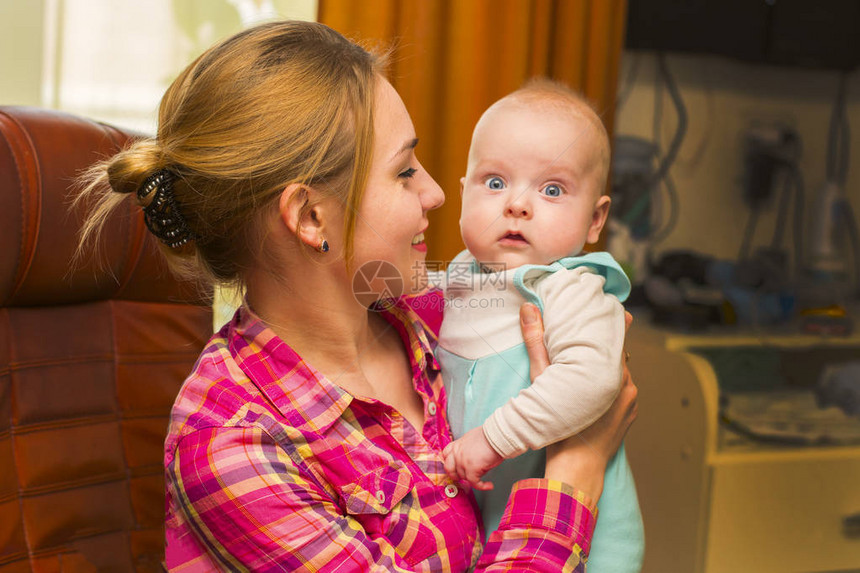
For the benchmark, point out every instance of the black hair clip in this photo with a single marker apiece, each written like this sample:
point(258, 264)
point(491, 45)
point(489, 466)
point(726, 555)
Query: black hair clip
point(162, 215)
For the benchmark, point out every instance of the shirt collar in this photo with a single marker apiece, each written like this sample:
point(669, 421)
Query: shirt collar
point(406, 316)
point(303, 395)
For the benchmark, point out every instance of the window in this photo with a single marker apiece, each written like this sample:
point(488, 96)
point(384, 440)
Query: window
point(113, 59)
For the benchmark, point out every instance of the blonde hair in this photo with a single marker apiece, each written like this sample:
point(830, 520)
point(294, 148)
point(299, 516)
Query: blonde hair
point(280, 103)
point(544, 91)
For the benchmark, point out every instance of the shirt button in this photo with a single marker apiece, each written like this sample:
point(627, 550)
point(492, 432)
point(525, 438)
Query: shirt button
point(431, 407)
point(380, 496)
point(451, 490)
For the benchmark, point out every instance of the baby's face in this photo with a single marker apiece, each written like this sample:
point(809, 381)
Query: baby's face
point(532, 190)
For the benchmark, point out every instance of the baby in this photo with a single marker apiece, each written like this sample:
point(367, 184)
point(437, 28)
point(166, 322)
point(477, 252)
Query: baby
point(532, 198)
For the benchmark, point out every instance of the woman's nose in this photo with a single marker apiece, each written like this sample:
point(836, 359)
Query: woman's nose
point(432, 195)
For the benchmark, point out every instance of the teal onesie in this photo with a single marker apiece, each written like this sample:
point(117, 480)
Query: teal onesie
point(485, 364)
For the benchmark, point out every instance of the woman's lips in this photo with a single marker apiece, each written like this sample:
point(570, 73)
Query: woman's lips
point(418, 243)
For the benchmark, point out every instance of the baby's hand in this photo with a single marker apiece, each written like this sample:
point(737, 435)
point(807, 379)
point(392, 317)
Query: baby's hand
point(471, 457)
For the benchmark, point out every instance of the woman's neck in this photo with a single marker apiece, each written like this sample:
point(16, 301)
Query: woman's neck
point(318, 316)
point(356, 349)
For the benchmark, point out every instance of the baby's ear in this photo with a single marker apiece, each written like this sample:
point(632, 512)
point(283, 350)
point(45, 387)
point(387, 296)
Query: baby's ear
point(598, 219)
point(462, 184)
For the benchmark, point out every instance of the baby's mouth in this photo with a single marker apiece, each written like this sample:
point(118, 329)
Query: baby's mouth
point(513, 238)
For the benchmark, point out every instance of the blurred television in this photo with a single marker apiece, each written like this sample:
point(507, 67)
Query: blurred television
point(819, 34)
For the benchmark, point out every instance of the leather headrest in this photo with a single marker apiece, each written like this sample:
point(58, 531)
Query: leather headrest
point(42, 152)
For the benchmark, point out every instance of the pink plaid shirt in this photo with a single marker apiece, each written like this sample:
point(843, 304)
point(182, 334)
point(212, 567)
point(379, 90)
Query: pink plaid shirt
point(271, 467)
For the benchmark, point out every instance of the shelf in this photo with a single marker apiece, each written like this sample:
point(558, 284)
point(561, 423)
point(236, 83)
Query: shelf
point(683, 342)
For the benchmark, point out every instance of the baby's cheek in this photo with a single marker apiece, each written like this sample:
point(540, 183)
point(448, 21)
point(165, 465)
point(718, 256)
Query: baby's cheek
point(476, 228)
point(470, 235)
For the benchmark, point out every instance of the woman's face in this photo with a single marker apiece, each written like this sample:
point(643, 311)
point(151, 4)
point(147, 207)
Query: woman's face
point(392, 218)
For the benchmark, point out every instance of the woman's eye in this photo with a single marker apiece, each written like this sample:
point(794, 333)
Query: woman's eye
point(552, 191)
point(408, 173)
point(495, 183)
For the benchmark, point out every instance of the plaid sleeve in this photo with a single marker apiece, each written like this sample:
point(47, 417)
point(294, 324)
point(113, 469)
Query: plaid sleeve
point(252, 510)
point(547, 526)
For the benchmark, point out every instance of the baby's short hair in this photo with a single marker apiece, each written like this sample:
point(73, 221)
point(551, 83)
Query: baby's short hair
point(546, 89)
point(540, 90)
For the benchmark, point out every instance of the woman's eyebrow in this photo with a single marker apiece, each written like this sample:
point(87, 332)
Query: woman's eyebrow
point(406, 147)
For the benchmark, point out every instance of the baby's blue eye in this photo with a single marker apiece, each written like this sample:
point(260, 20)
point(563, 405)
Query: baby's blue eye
point(495, 183)
point(552, 191)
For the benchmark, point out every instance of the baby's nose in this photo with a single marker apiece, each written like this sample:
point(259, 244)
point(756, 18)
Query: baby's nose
point(518, 206)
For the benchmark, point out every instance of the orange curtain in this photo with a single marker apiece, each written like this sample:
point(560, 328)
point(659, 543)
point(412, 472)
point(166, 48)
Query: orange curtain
point(453, 58)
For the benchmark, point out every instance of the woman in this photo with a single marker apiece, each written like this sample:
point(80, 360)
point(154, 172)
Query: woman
point(309, 435)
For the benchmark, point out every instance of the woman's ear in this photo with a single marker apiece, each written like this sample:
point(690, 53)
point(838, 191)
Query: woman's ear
point(301, 214)
point(598, 219)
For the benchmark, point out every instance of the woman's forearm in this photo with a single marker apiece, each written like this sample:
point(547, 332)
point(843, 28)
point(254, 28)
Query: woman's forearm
point(577, 466)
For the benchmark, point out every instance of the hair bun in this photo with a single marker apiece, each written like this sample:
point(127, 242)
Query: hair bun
point(128, 169)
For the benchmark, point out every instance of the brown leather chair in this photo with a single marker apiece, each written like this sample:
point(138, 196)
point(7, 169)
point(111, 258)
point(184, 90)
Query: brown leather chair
point(90, 361)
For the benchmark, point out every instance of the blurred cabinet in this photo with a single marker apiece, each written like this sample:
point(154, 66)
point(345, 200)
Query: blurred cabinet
point(716, 501)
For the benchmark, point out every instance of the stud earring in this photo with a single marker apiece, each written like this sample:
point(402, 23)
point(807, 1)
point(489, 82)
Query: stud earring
point(323, 248)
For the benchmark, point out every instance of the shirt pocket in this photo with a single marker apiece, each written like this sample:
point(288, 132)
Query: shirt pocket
point(378, 490)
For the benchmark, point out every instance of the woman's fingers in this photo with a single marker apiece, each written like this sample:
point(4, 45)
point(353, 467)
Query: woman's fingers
point(633, 396)
point(626, 405)
point(532, 327)
point(626, 379)
point(625, 355)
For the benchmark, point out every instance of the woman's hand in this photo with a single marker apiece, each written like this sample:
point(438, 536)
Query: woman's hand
point(581, 459)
